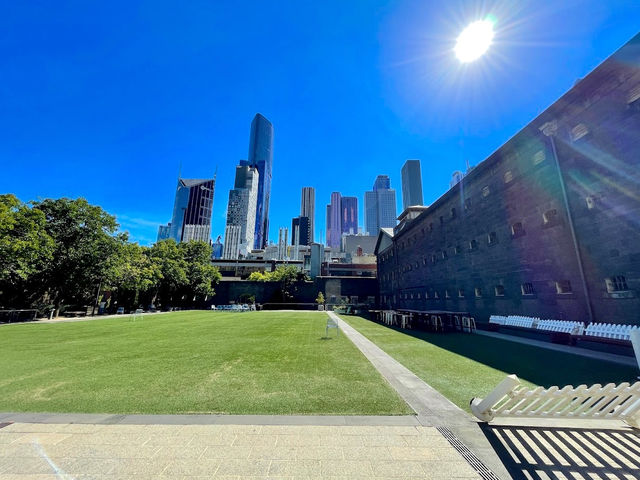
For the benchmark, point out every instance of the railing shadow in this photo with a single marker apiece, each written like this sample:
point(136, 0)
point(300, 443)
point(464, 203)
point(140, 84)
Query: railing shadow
point(566, 453)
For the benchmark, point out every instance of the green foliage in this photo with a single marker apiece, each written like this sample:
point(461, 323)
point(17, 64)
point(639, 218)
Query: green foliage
point(287, 275)
point(57, 252)
point(320, 298)
point(258, 277)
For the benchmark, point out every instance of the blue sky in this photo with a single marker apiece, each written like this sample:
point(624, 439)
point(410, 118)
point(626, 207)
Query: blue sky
point(104, 100)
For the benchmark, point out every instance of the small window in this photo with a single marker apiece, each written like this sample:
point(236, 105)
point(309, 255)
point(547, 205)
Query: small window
point(460, 293)
point(517, 230)
point(426, 295)
point(444, 255)
point(508, 176)
point(446, 294)
point(579, 131)
point(441, 220)
point(417, 265)
point(473, 245)
point(499, 290)
point(616, 284)
point(550, 217)
point(411, 296)
point(431, 227)
point(478, 292)
point(591, 202)
point(486, 191)
point(563, 287)
point(435, 294)
point(424, 261)
point(419, 295)
point(467, 204)
point(527, 289)
point(433, 258)
point(539, 157)
point(492, 238)
point(457, 249)
point(453, 213)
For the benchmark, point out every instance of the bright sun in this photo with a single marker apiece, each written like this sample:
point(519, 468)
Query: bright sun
point(474, 41)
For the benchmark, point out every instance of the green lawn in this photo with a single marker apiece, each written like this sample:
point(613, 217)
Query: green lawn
point(190, 362)
point(463, 366)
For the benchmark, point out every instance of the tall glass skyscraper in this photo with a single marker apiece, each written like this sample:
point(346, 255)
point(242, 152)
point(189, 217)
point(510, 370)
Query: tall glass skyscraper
point(334, 224)
point(261, 157)
point(308, 209)
point(380, 206)
point(192, 207)
point(411, 184)
point(349, 215)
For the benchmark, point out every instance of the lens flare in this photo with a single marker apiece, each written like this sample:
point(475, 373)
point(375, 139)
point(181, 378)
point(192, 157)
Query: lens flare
point(474, 40)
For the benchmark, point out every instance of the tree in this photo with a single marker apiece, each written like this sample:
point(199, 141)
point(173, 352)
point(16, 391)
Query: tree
point(133, 274)
point(85, 244)
point(25, 247)
point(172, 268)
point(201, 275)
point(320, 298)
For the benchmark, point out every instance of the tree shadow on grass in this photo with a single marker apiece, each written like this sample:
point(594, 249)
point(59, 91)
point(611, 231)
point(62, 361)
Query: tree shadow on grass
point(534, 364)
point(554, 452)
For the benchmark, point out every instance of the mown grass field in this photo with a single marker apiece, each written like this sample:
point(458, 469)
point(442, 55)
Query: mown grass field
point(462, 366)
point(190, 362)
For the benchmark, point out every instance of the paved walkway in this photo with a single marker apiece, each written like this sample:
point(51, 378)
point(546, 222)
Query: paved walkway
point(583, 352)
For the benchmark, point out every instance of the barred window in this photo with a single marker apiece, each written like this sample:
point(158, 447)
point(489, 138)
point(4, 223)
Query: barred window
point(616, 283)
point(478, 292)
point(499, 290)
point(563, 286)
point(527, 289)
point(492, 238)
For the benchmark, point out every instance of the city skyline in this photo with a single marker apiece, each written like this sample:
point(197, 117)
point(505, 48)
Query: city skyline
point(395, 91)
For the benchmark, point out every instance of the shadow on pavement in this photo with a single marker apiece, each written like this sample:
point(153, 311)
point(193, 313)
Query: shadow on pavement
point(566, 453)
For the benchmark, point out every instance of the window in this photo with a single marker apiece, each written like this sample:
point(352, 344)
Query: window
point(431, 227)
point(460, 293)
point(467, 204)
point(492, 238)
point(424, 261)
point(441, 220)
point(478, 292)
point(563, 287)
point(453, 213)
point(579, 131)
point(435, 294)
point(446, 294)
point(517, 230)
point(508, 176)
point(591, 202)
point(426, 295)
point(616, 283)
point(550, 217)
point(419, 295)
point(473, 245)
point(539, 157)
point(499, 290)
point(527, 289)
point(444, 255)
point(417, 265)
point(486, 191)
point(434, 258)
point(457, 249)
point(411, 296)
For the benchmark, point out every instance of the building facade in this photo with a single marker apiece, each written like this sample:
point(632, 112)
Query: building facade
point(334, 224)
point(349, 215)
point(283, 243)
point(380, 206)
point(308, 209)
point(261, 158)
point(300, 231)
point(192, 207)
point(241, 212)
point(547, 226)
point(411, 184)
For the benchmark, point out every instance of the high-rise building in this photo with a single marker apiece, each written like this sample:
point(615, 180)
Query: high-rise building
point(308, 209)
point(300, 231)
point(334, 225)
point(411, 184)
point(261, 157)
point(380, 206)
point(217, 248)
point(283, 240)
point(241, 213)
point(349, 215)
point(191, 219)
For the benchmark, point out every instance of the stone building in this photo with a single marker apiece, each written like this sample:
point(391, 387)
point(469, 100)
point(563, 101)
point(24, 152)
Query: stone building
point(547, 226)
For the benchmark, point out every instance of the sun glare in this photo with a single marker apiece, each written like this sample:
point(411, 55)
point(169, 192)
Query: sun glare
point(474, 40)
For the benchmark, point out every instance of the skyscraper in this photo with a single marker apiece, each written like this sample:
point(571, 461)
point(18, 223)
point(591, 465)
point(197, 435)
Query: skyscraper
point(380, 206)
point(308, 209)
point(283, 239)
point(411, 184)
point(261, 157)
point(241, 212)
point(349, 215)
point(191, 218)
point(300, 231)
point(334, 225)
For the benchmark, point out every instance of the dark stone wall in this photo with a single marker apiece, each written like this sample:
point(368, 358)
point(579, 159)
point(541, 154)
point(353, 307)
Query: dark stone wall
point(466, 241)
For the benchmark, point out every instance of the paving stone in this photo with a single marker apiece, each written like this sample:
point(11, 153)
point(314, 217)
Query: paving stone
point(203, 466)
point(229, 452)
point(295, 468)
point(92, 466)
point(439, 469)
point(242, 440)
point(383, 441)
point(213, 439)
point(366, 453)
point(345, 467)
point(244, 467)
point(137, 466)
point(319, 453)
point(179, 451)
point(273, 453)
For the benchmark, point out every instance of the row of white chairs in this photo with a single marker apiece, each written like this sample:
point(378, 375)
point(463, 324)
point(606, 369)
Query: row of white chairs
point(234, 308)
point(610, 330)
point(565, 326)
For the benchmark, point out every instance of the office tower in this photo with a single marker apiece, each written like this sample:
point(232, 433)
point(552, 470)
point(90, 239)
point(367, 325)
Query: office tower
point(300, 231)
point(349, 215)
point(283, 240)
point(411, 184)
point(191, 218)
point(380, 206)
point(334, 225)
point(261, 157)
point(241, 213)
point(217, 248)
point(317, 257)
point(308, 209)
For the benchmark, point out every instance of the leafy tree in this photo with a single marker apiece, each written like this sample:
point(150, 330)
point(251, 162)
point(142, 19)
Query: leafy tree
point(320, 298)
point(258, 277)
point(84, 250)
point(169, 262)
point(201, 275)
point(133, 274)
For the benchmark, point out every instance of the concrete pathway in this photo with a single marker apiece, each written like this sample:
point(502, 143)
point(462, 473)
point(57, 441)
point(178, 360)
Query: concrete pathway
point(108, 452)
point(432, 407)
point(583, 352)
